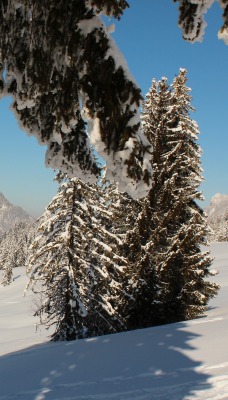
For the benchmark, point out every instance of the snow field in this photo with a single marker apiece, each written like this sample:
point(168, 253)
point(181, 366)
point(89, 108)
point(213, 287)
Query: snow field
point(182, 361)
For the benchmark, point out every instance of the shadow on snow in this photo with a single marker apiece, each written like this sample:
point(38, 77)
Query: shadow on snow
point(147, 364)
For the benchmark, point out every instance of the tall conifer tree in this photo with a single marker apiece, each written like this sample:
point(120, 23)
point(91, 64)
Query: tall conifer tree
point(185, 267)
point(170, 285)
point(143, 285)
point(73, 266)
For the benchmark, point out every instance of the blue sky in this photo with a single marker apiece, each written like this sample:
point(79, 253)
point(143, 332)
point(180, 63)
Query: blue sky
point(24, 180)
point(152, 44)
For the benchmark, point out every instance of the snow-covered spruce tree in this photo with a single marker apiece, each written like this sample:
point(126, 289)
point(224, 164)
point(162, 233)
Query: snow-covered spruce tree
point(183, 266)
point(192, 22)
point(169, 284)
point(14, 248)
point(63, 69)
point(73, 266)
point(143, 306)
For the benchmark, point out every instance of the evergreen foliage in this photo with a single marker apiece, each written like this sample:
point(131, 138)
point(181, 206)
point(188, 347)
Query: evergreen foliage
point(125, 211)
point(169, 268)
point(191, 18)
point(62, 69)
point(73, 265)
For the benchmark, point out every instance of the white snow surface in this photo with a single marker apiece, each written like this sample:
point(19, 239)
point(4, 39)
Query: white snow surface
point(182, 361)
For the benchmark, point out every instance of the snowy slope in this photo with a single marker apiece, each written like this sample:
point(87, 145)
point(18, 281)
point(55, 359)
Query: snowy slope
point(217, 206)
point(11, 215)
point(182, 361)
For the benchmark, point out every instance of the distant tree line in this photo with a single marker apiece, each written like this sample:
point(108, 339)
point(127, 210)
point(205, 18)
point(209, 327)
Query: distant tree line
point(219, 227)
point(14, 249)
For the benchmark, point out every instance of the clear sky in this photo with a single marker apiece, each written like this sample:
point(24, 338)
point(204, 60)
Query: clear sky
point(153, 47)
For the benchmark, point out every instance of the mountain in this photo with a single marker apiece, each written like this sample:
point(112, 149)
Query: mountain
point(217, 206)
point(11, 215)
point(181, 361)
point(217, 213)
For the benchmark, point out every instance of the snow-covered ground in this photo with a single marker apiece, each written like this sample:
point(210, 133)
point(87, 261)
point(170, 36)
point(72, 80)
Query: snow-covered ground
point(182, 361)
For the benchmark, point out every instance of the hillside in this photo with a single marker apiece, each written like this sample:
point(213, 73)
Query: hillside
point(182, 361)
point(11, 215)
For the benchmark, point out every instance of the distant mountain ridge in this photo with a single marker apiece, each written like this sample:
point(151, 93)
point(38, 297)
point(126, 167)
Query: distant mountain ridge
point(11, 215)
point(218, 205)
point(217, 213)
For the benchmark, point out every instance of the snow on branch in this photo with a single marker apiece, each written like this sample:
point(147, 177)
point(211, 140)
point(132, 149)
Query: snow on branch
point(109, 7)
point(64, 71)
point(192, 19)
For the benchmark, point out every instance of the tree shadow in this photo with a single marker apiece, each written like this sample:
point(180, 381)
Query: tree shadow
point(149, 364)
